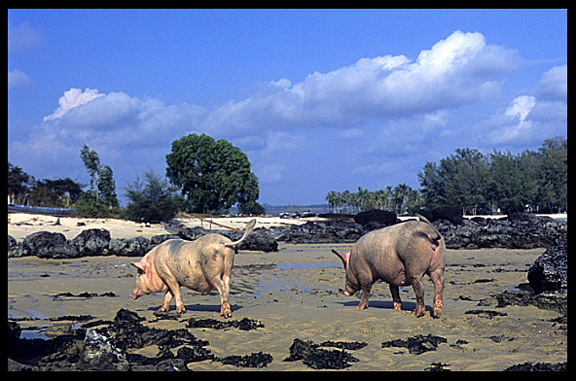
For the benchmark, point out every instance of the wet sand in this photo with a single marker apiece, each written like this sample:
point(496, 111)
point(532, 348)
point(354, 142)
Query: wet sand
point(295, 294)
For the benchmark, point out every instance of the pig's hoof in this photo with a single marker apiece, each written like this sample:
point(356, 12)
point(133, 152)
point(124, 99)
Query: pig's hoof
point(437, 312)
point(226, 313)
point(419, 312)
point(361, 306)
point(397, 306)
point(225, 310)
point(181, 310)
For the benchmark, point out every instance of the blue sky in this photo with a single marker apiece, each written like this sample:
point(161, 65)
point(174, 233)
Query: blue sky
point(319, 100)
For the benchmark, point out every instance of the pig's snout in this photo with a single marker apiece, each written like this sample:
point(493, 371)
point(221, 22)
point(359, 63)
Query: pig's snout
point(135, 295)
point(347, 293)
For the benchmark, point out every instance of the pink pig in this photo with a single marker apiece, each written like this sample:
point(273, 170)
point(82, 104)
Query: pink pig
point(400, 255)
point(199, 265)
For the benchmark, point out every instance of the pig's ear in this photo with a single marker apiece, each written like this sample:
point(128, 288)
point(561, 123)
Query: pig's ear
point(345, 258)
point(141, 266)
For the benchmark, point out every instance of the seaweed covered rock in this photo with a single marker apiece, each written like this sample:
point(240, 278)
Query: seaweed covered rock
point(317, 358)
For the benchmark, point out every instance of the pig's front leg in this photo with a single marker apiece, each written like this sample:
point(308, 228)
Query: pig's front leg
point(166, 304)
point(174, 290)
point(366, 287)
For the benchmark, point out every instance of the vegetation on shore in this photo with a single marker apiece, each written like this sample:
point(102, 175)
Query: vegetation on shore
point(209, 176)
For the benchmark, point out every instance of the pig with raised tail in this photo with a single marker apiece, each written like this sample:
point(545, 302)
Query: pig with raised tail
point(199, 265)
point(400, 255)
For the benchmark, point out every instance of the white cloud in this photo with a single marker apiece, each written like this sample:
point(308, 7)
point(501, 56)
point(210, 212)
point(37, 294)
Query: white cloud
point(531, 119)
point(128, 133)
point(514, 121)
point(72, 99)
point(521, 107)
point(554, 84)
point(456, 71)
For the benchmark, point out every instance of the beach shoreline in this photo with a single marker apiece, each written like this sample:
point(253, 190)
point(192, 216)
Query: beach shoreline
point(296, 294)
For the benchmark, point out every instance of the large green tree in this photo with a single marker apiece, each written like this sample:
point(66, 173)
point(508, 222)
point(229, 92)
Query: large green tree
point(212, 174)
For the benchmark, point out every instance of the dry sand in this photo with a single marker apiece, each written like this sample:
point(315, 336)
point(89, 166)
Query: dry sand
point(295, 294)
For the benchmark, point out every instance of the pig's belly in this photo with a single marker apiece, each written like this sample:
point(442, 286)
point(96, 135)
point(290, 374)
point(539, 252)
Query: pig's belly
point(398, 279)
point(197, 284)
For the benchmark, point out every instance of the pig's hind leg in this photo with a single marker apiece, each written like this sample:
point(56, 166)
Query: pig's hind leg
point(395, 291)
point(223, 290)
point(438, 280)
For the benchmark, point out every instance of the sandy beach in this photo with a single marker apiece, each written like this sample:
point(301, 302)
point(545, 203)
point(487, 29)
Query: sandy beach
point(295, 293)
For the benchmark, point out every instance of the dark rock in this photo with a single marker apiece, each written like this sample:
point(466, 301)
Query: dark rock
point(130, 333)
point(100, 354)
point(502, 233)
point(382, 217)
point(27, 352)
point(195, 354)
point(159, 238)
point(14, 248)
point(92, 242)
point(317, 358)
point(556, 302)
point(417, 344)
point(254, 360)
point(130, 247)
point(550, 270)
point(245, 324)
point(323, 232)
point(448, 213)
point(191, 234)
point(259, 240)
point(538, 367)
point(45, 244)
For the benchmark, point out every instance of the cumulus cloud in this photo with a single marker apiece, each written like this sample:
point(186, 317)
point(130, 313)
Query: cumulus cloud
point(530, 119)
point(128, 133)
point(461, 69)
point(72, 99)
point(554, 84)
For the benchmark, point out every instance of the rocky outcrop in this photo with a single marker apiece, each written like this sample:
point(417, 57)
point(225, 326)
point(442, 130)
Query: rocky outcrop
point(376, 219)
point(549, 273)
point(92, 242)
point(322, 232)
point(45, 244)
point(516, 232)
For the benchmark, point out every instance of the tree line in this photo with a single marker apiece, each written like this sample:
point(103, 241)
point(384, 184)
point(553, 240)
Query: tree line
point(401, 199)
point(499, 182)
point(531, 181)
point(205, 176)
